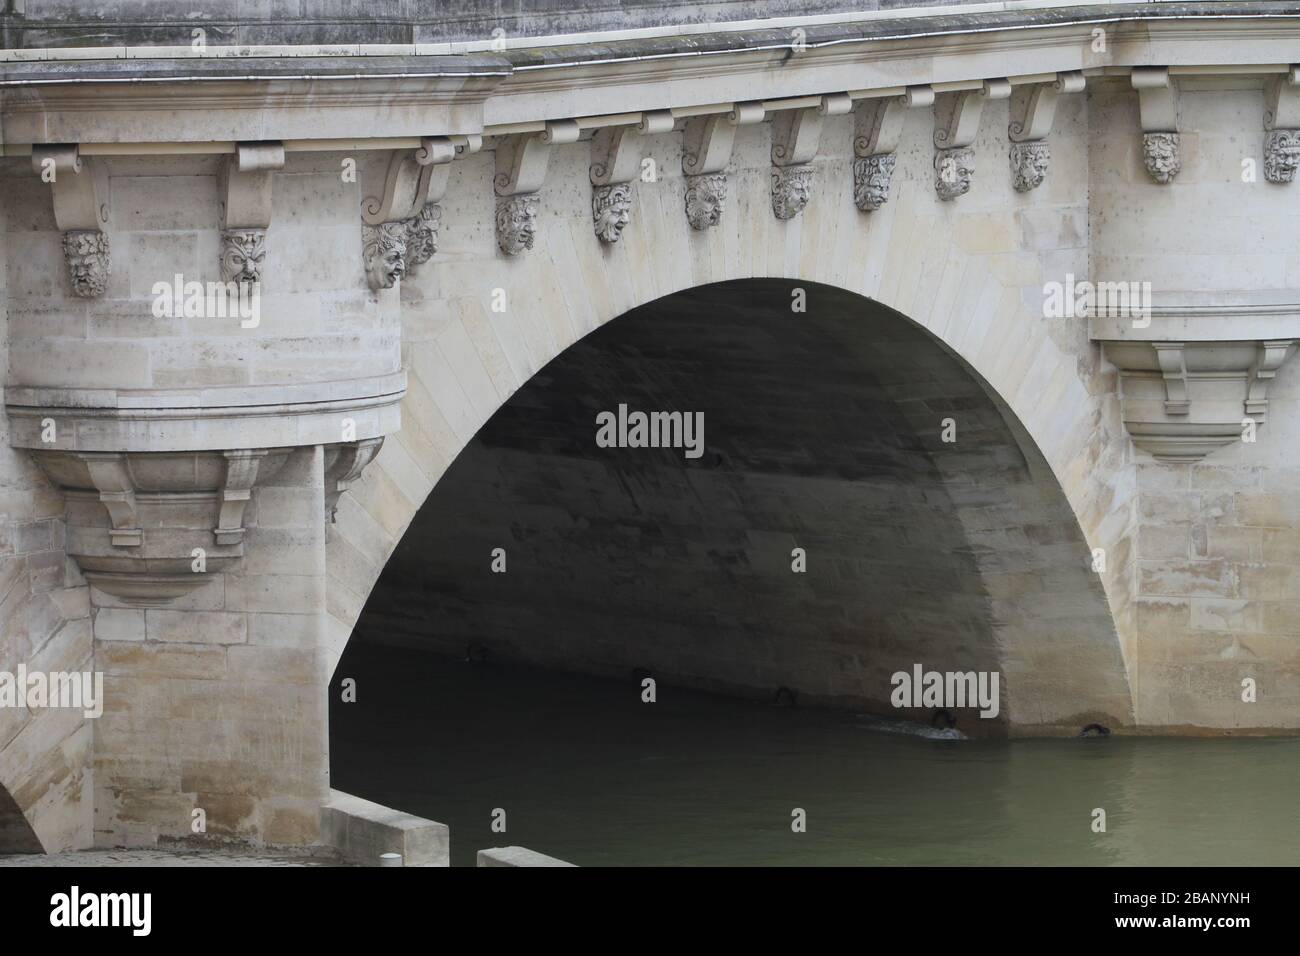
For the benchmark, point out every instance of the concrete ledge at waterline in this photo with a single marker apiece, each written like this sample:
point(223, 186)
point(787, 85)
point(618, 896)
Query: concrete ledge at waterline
point(362, 832)
point(517, 856)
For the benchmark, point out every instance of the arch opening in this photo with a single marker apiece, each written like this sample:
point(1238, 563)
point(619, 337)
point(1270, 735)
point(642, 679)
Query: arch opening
point(823, 430)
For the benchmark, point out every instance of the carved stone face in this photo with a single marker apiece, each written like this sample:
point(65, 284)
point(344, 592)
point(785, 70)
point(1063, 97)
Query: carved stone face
point(516, 223)
point(242, 251)
point(872, 176)
point(791, 190)
point(384, 249)
point(1282, 155)
point(87, 254)
point(705, 195)
point(422, 234)
point(953, 170)
point(1029, 164)
point(611, 210)
point(1160, 150)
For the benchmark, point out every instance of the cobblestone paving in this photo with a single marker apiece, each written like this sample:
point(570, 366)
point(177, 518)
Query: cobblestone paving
point(154, 857)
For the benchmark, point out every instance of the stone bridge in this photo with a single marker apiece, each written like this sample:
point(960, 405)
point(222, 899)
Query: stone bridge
point(263, 280)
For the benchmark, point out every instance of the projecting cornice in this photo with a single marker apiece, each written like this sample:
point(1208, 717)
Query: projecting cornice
point(405, 92)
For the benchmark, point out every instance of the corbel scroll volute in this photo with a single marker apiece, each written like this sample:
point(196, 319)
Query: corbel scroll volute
point(707, 142)
point(245, 184)
point(79, 185)
point(1033, 106)
point(522, 158)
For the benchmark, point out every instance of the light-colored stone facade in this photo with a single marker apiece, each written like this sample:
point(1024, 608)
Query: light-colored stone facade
point(255, 443)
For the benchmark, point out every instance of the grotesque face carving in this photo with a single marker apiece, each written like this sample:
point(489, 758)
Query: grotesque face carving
point(1029, 164)
point(384, 249)
point(705, 195)
point(516, 223)
point(791, 189)
point(242, 251)
point(1160, 150)
point(611, 209)
point(953, 171)
point(871, 178)
point(422, 234)
point(87, 254)
point(1282, 155)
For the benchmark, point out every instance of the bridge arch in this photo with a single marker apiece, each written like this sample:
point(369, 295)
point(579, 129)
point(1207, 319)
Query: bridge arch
point(476, 325)
point(823, 428)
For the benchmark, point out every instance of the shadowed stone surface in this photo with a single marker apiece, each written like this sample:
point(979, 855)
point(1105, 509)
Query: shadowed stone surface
point(822, 431)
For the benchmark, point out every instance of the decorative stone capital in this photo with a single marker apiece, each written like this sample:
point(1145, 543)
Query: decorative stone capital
point(791, 190)
point(1160, 152)
point(86, 252)
point(383, 249)
point(516, 223)
point(953, 171)
point(1029, 164)
point(872, 176)
point(242, 252)
point(611, 210)
point(1281, 155)
point(704, 198)
point(422, 235)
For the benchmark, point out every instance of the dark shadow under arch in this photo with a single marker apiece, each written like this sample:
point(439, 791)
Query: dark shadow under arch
point(16, 834)
point(823, 431)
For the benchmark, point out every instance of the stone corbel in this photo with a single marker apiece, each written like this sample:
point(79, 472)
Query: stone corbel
point(706, 150)
point(1269, 358)
point(878, 127)
point(1173, 368)
point(112, 481)
point(521, 163)
point(615, 162)
point(1158, 107)
point(244, 187)
point(796, 136)
point(956, 124)
point(347, 464)
point(1033, 110)
point(79, 187)
point(1282, 126)
point(1182, 400)
point(400, 223)
point(236, 490)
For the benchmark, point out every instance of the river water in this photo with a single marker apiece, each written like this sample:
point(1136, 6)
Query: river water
point(587, 772)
